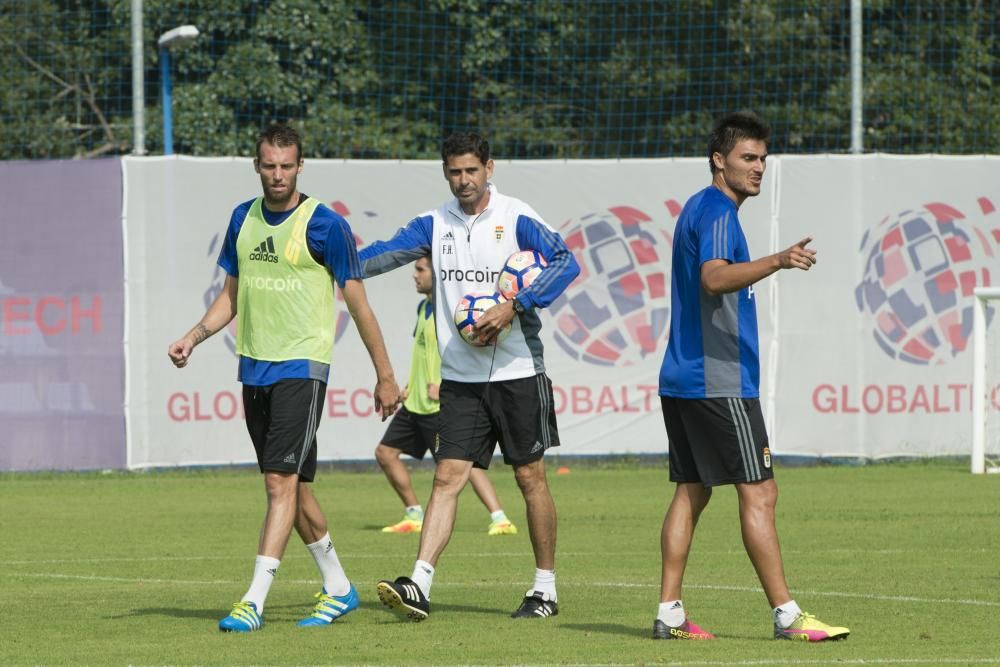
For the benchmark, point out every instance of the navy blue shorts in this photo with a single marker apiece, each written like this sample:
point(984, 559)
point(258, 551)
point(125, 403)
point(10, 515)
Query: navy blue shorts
point(412, 434)
point(282, 419)
point(716, 441)
point(518, 414)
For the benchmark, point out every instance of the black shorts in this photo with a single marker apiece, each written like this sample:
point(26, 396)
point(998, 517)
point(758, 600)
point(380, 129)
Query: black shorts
point(411, 433)
point(518, 414)
point(716, 440)
point(282, 419)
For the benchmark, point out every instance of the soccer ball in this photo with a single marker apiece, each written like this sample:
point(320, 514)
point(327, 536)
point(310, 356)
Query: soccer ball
point(519, 271)
point(470, 308)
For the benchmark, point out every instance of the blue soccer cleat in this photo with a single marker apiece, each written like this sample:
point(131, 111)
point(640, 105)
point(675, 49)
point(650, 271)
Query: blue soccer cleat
point(243, 618)
point(330, 608)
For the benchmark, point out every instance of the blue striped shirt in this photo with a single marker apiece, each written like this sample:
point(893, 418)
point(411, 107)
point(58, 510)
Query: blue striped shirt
point(713, 349)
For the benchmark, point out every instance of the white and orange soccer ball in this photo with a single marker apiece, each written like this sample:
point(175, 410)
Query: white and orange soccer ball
point(519, 271)
point(470, 308)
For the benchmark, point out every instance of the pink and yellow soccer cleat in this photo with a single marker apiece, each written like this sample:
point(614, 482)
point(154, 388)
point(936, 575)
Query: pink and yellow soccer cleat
point(808, 628)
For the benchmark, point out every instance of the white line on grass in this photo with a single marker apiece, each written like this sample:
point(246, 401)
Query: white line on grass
point(482, 584)
point(829, 594)
point(458, 554)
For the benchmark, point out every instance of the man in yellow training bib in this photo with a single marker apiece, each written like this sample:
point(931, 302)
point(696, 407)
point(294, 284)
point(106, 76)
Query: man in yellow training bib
point(413, 430)
point(282, 254)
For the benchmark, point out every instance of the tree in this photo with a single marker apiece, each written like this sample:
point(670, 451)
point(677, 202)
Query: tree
point(541, 78)
point(57, 98)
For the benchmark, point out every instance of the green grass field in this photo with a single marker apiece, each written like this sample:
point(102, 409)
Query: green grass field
point(138, 568)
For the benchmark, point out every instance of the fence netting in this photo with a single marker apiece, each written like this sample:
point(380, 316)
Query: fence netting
point(541, 78)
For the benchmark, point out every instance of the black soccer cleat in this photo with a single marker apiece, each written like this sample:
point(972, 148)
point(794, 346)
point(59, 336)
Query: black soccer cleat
point(537, 604)
point(404, 597)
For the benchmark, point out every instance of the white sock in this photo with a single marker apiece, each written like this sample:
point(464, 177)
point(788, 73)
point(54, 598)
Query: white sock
point(785, 614)
point(415, 512)
point(545, 581)
point(264, 570)
point(499, 515)
point(672, 613)
point(335, 581)
point(423, 577)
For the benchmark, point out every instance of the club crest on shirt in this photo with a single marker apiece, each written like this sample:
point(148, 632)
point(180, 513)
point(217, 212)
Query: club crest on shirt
point(498, 231)
point(767, 457)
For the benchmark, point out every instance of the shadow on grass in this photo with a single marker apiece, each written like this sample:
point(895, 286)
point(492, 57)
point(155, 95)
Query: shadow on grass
point(293, 612)
point(174, 612)
point(620, 630)
point(275, 612)
point(441, 609)
point(616, 629)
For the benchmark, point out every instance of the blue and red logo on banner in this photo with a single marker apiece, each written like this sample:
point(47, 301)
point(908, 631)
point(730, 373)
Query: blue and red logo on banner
point(920, 269)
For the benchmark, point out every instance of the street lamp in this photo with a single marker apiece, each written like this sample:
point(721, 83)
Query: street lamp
point(174, 38)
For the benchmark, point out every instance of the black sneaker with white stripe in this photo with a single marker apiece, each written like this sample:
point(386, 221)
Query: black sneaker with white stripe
point(404, 597)
point(537, 604)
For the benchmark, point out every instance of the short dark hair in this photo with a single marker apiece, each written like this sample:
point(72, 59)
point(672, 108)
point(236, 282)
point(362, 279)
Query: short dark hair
point(734, 128)
point(281, 135)
point(463, 143)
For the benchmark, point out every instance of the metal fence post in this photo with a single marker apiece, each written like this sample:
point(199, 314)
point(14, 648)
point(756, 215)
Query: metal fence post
point(857, 79)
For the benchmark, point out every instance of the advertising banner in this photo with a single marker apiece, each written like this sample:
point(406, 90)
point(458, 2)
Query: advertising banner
point(875, 343)
point(865, 355)
point(61, 363)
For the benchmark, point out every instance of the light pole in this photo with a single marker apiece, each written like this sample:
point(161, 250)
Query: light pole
point(174, 38)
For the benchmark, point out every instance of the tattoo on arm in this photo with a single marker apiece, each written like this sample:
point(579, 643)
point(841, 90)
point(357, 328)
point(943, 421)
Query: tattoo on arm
point(200, 333)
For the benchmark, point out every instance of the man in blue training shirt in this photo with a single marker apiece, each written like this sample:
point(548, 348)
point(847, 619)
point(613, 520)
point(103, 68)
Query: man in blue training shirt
point(710, 379)
point(282, 254)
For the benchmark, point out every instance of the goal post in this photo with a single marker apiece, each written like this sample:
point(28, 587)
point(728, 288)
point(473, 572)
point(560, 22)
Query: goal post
point(981, 298)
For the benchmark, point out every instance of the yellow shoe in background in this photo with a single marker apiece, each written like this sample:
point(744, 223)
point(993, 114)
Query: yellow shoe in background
point(404, 526)
point(502, 527)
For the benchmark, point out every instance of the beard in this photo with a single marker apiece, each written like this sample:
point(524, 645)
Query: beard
point(278, 197)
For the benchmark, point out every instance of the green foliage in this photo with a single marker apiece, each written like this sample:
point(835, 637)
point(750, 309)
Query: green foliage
point(542, 78)
point(951, 48)
point(58, 72)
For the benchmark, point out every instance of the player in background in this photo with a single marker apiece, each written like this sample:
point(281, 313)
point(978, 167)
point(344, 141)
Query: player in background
point(413, 429)
point(710, 382)
point(497, 393)
point(282, 253)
